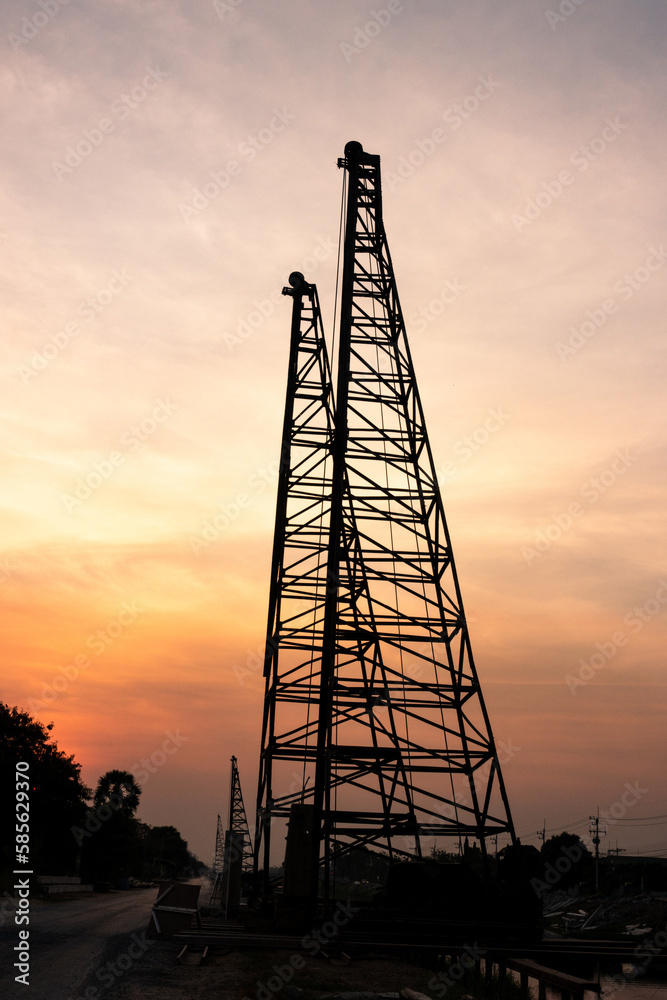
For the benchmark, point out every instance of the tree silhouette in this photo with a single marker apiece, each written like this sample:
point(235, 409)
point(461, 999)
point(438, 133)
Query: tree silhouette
point(114, 849)
point(57, 796)
point(444, 857)
point(119, 790)
point(165, 847)
point(566, 859)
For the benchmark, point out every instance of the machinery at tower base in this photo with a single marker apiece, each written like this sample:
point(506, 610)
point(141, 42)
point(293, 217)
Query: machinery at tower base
point(375, 734)
point(465, 902)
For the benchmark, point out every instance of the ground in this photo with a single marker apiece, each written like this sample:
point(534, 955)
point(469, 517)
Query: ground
point(258, 975)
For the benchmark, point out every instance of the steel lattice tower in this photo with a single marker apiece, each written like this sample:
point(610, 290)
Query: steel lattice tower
point(238, 821)
point(218, 863)
point(374, 717)
point(235, 841)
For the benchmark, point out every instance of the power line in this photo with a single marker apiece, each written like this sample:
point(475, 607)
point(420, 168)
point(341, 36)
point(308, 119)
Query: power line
point(561, 828)
point(568, 826)
point(636, 824)
point(639, 820)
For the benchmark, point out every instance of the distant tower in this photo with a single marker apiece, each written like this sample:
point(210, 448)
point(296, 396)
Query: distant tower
point(238, 821)
point(233, 851)
point(218, 863)
point(375, 730)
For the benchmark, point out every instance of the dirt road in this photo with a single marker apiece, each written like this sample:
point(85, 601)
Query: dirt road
point(76, 942)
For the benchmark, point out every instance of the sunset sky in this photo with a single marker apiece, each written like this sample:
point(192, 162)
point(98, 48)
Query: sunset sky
point(167, 165)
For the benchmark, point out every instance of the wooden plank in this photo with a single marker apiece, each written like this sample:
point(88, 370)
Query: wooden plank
point(561, 980)
point(182, 899)
point(190, 956)
point(176, 909)
point(57, 890)
point(58, 879)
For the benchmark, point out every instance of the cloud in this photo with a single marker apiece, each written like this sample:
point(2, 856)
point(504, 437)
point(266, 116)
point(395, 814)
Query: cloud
point(513, 101)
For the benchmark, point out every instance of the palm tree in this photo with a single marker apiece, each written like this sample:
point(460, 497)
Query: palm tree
point(119, 790)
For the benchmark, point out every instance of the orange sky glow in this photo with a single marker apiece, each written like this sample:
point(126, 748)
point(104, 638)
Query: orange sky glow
point(168, 166)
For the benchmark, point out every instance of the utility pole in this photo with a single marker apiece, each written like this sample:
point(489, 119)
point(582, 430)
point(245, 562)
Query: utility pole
point(594, 828)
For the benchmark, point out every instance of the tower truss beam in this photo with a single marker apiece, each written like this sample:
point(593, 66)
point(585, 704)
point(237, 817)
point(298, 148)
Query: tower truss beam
point(373, 715)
